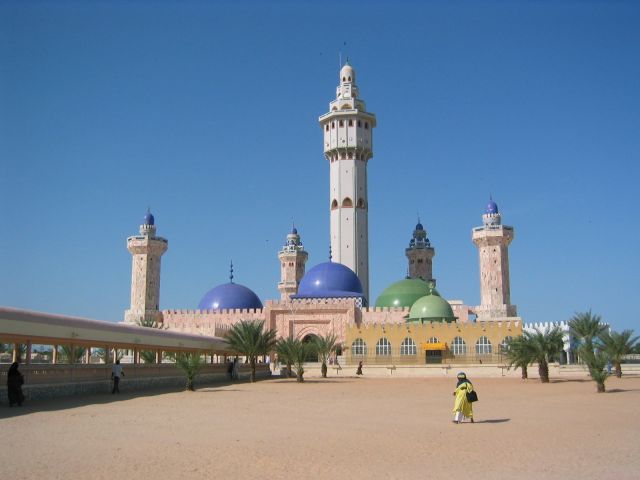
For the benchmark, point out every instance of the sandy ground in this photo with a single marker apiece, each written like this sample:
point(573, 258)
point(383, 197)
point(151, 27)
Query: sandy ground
point(333, 428)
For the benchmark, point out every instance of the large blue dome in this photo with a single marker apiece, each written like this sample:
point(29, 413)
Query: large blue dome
point(229, 296)
point(329, 280)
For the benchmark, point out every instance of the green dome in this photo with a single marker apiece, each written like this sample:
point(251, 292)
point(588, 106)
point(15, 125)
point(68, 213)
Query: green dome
point(403, 293)
point(432, 308)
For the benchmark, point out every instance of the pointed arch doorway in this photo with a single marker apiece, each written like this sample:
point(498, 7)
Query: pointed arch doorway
point(310, 338)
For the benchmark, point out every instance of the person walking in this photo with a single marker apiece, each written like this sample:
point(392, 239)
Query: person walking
point(116, 373)
point(230, 370)
point(462, 407)
point(15, 380)
point(236, 367)
point(359, 370)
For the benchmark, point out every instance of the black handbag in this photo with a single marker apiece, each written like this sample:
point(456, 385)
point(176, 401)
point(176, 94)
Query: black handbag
point(472, 396)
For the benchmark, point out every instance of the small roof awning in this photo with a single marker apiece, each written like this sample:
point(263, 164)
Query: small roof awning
point(434, 346)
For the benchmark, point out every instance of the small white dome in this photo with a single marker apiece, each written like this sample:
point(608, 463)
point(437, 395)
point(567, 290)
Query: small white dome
point(347, 74)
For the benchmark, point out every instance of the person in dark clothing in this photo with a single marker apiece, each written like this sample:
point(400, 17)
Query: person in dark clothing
point(230, 370)
point(14, 385)
point(359, 370)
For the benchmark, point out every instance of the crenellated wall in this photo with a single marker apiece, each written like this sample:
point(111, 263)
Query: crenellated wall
point(207, 322)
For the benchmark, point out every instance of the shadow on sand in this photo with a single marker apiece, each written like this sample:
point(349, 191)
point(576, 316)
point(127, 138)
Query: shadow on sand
point(495, 420)
point(571, 380)
point(64, 403)
point(622, 390)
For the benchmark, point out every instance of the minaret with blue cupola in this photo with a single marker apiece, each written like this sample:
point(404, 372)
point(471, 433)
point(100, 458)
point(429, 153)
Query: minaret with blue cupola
point(492, 240)
point(147, 250)
point(420, 255)
point(293, 259)
point(348, 146)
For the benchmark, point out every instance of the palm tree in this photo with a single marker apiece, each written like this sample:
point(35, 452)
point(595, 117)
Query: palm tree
point(596, 362)
point(616, 345)
point(148, 356)
point(249, 338)
point(518, 355)
point(284, 349)
point(72, 353)
point(324, 347)
point(544, 347)
point(586, 327)
point(190, 363)
point(299, 352)
point(106, 355)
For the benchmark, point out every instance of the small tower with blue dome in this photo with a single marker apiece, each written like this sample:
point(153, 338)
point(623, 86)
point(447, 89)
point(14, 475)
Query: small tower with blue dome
point(420, 255)
point(293, 259)
point(146, 250)
point(492, 240)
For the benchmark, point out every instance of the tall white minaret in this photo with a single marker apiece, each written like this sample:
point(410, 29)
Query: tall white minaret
point(348, 146)
point(146, 250)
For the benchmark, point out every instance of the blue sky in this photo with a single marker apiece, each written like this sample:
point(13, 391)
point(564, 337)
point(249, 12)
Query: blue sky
point(207, 112)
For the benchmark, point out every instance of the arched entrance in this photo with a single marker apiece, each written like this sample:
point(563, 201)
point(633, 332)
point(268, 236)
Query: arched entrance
point(310, 338)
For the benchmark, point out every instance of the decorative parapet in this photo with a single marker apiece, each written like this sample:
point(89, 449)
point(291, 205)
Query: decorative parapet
point(484, 326)
point(385, 310)
point(235, 311)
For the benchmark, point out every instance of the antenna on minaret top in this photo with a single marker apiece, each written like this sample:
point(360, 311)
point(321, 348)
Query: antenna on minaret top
point(231, 272)
point(330, 256)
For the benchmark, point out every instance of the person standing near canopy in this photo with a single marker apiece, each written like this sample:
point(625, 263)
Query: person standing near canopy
point(15, 380)
point(462, 407)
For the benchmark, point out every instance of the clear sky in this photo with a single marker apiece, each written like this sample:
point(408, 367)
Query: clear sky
point(208, 113)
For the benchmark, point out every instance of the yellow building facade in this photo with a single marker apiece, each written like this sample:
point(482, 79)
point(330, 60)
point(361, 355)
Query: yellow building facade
point(428, 343)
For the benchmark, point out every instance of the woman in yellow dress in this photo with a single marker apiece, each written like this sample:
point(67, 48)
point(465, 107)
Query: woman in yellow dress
point(462, 408)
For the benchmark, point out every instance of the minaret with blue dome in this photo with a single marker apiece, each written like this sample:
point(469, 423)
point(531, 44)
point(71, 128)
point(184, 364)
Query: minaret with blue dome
point(348, 147)
point(147, 250)
point(492, 240)
point(293, 259)
point(420, 255)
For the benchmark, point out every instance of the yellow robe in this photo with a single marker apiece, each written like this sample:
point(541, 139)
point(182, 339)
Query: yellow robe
point(462, 404)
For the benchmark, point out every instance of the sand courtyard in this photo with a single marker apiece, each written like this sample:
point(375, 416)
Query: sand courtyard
point(339, 427)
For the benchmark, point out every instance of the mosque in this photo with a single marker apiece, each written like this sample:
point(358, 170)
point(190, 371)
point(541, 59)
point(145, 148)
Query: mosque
point(409, 322)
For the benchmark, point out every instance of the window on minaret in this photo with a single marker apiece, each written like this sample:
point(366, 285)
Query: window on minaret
point(326, 127)
point(351, 123)
point(341, 124)
point(359, 123)
point(333, 125)
point(366, 125)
